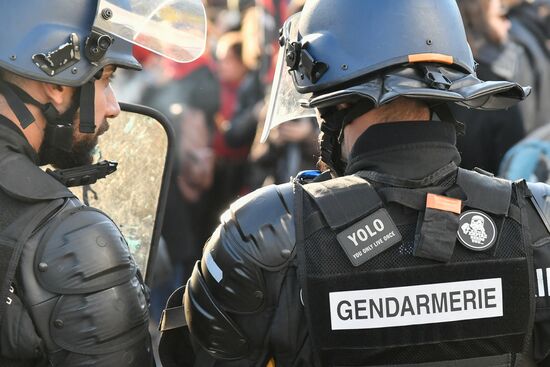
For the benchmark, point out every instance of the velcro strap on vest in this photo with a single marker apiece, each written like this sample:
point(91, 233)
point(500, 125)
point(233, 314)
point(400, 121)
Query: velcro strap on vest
point(489, 194)
point(436, 237)
point(173, 315)
point(344, 200)
point(407, 197)
point(415, 198)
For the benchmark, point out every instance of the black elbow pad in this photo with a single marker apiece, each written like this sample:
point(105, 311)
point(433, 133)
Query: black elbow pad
point(257, 236)
point(237, 283)
point(209, 324)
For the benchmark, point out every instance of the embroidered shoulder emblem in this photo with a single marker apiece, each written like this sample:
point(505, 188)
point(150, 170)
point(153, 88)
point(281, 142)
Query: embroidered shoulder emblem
point(477, 231)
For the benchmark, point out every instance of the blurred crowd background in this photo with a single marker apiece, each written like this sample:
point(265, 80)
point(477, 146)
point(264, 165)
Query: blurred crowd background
point(217, 105)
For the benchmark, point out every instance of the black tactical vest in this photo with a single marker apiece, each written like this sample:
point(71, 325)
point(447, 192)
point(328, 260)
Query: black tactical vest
point(390, 279)
point(64, 265)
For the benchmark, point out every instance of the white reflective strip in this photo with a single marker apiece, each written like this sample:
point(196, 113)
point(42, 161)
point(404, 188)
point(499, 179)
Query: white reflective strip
point(213, 268)
point(416, 305)
point(547, 283)
point(540, 283)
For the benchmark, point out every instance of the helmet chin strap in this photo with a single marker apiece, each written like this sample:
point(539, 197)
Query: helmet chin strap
point(332, 128)
point(331, 153)
point(59, 126)
point(87, 107)
point(442, 112)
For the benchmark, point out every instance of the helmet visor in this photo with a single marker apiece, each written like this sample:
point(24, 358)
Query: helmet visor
point(175, 29)
point(285, 102)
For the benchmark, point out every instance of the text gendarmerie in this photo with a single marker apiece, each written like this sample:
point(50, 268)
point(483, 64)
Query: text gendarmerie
point(414, 305)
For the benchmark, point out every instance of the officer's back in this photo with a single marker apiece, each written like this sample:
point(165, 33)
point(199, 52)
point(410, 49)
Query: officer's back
point(394, 256)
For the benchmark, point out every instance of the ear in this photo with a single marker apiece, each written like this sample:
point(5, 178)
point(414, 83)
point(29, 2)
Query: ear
point(58, 95)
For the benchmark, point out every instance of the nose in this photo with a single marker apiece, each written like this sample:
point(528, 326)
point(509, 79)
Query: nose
point(113, 107)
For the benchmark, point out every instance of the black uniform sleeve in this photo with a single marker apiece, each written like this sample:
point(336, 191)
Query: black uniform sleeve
point(233, 292)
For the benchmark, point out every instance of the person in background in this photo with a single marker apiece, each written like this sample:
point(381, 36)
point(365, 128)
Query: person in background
point(292, 147)
point(240, 130)
point(189, 96)
point(489, 134)
point(231, 162)
point(531, 29)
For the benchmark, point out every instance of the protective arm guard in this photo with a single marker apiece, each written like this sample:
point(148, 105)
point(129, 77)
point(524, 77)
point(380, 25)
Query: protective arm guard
point(232, 292)
point(84, 293)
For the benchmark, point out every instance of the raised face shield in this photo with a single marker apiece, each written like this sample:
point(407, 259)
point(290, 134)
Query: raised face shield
point(175, 29)
point(285, 103)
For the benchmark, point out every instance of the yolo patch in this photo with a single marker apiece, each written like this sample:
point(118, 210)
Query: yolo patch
point(477, 231)
point(369, 237)
point(416, 305)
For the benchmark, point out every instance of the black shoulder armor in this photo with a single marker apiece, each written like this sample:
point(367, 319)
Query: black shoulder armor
point(83, 291)
point(265, 224)
point(83, 251)
point(101, 322)
point(257, 234)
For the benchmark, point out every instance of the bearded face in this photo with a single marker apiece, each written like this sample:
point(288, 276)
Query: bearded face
point(83, 145)
point(82, 151)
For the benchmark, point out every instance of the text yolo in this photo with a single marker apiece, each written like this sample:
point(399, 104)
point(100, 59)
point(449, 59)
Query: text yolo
point(368, 231)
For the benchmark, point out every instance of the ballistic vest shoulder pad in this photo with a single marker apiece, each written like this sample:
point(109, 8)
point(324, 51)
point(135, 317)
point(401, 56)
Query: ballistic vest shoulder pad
point(343, 200)
point(483, 192)
point(24, 181)
point(83, 251)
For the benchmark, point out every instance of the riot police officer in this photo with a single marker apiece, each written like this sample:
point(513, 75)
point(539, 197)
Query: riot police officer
point(394, 256)
point(71, 293)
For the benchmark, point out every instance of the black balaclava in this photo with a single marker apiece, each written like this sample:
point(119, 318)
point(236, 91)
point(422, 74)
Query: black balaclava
point(333, 122)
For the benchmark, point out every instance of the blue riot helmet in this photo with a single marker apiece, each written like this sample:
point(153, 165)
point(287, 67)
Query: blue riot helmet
point(367, 53)
point(69, 42)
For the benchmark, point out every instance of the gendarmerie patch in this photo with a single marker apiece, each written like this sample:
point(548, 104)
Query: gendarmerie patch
point(477, 231)
point(416, 305)
point(369, 237)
